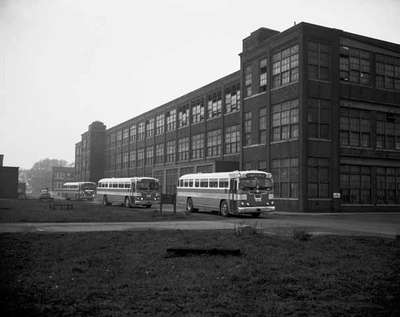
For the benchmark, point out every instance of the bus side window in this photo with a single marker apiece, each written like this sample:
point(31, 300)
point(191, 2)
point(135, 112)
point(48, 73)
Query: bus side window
point(196, 183)
point(204, 183)
point(133, 187)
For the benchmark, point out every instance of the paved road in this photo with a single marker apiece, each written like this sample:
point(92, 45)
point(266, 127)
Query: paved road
point(375, 224)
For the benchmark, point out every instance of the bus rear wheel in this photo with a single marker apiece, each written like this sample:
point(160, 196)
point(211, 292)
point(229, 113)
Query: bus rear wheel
point(105, 201)
point(189, 205)
point(127, 202)
point(224, 209)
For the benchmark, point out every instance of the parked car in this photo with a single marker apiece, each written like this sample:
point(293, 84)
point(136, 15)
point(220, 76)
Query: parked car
point(44, 194)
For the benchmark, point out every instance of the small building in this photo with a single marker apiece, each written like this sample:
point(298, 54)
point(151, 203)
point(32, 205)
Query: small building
point(8, 180)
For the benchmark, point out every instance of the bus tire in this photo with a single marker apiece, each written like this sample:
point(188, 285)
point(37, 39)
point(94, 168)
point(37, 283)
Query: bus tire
point(255, 215)
point(224, 209)
point(105, 201)
point(189, 205)
point(148, 206)
point(127, 202)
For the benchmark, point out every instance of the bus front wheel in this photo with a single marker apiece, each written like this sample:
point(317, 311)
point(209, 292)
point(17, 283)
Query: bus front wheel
point(189, 205)
point(224, 209)
point(127, 202)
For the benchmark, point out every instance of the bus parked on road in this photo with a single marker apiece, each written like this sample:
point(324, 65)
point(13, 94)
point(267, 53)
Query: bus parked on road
point(78, 190)
point(130, 191)
point(237, 192)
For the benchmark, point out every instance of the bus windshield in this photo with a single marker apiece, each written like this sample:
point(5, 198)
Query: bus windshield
point(255, 183)
point(147, 184)
point(88, 186)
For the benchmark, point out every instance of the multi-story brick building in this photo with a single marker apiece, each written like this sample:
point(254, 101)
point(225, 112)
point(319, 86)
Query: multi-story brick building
point(318, 107)
point(59, 176)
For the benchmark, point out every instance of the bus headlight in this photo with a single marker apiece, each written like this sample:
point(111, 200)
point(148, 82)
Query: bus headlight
point(242, 203)
point(248, 204)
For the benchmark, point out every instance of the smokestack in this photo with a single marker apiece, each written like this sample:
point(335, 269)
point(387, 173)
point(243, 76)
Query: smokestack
point(1, 160)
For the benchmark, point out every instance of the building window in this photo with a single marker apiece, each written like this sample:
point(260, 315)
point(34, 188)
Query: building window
point(197, 112)
point(318, 117)
point(354, 65)
point(248, 166)
point(171, 120)
point(247, 128)
point(160, 124)
point(171, 151)
point(232, 139)
point(262, 165)
point(125, 160)
point(183, 149)
point(183, 117)
point(140, 157)
point(388, 185)
point(198, 146)
point(263, 75)
point(214, 106)
point(248, 81)
point(355, 128)
point(387, 72)
point(149, 155)
point(285, 120)
point(125, 135)
point(285, 66)
point(318, 61)
point(132, 159)
point(141, 131)
point(150, 128)
point(262, 125)
point(118, 161)
point(132, 132)
point(160, 153)
point(214, 143)
point(355, 184)
point(388, 131)
point(232, 99)
point(318, 177)
point(285, 173)
point(119, 136)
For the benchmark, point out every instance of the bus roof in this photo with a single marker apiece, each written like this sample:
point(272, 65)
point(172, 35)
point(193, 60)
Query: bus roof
point(78, 183)
point(233, 174)
point(124, 179)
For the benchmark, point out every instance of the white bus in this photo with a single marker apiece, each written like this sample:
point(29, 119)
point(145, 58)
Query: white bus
point(237, 192)
point(130, 191)
point(78, 190)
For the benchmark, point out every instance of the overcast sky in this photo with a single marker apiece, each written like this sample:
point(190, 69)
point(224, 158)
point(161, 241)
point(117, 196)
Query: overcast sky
point(64, 64)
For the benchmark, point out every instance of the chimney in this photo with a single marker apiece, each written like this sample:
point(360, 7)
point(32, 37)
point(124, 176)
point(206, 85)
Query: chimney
point(1, 160)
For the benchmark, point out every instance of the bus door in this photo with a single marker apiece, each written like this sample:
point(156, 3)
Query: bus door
point(133, 188)
point(232, 192)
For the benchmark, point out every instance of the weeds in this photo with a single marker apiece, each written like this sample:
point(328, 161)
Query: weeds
point(301, 235)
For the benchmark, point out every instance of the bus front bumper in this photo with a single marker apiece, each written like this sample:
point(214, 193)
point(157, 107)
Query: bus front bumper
point(255, 209)
point(146, 202)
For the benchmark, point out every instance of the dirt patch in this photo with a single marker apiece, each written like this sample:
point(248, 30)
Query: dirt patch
point(39, 211)
point(128, 273)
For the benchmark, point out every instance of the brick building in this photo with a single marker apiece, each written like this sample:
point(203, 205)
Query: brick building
point(318, 107)
point(61, 175)
point(8, 180)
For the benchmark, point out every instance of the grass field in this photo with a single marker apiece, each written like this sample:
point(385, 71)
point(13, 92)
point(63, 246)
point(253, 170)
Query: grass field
point(33, 210)
point(129, 273)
